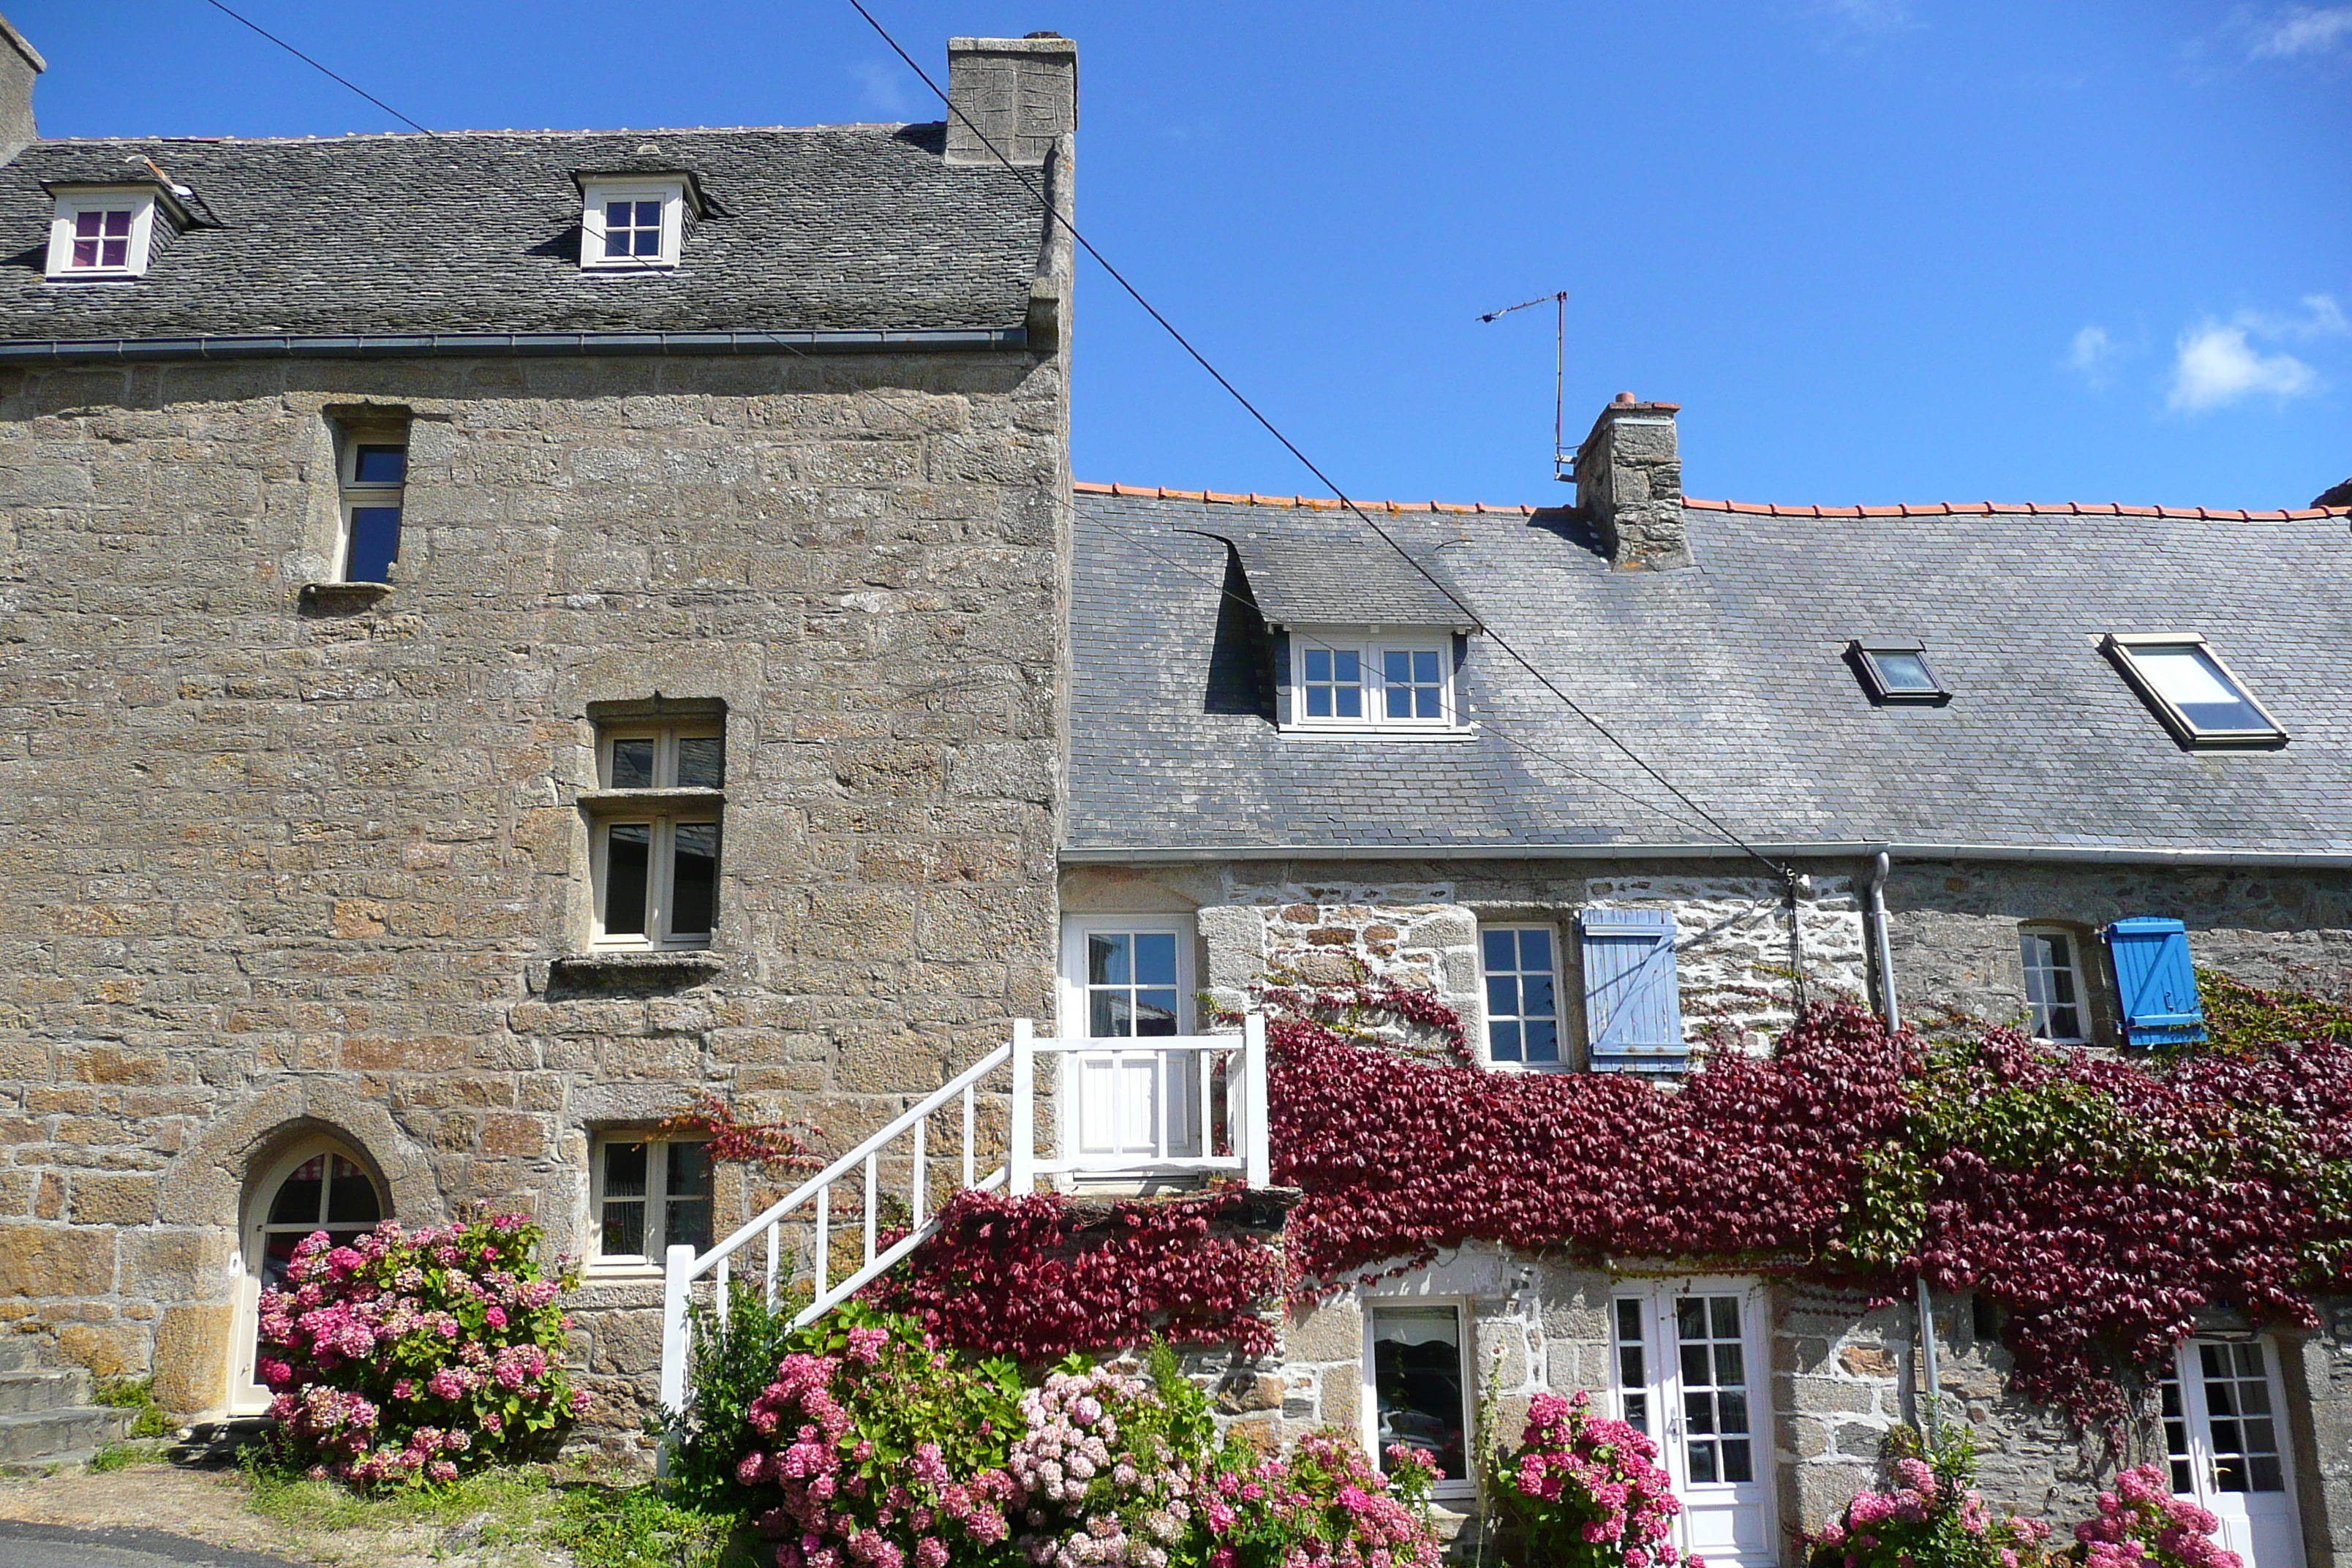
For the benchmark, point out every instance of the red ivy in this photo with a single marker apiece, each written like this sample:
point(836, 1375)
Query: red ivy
point(775, 1146)
point(1034, 1277)
point(2215, 1184)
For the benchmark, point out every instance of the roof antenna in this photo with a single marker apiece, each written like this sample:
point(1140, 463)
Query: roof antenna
point(1563, 461)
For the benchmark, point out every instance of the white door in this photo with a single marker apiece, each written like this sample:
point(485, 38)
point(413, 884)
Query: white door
point(1129, 979)
point(1690, 1368)
point(2225, 1431)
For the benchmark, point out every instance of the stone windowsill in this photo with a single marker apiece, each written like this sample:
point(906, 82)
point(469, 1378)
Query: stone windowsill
point(698, 963)
point(610, 802)
point(344, 595)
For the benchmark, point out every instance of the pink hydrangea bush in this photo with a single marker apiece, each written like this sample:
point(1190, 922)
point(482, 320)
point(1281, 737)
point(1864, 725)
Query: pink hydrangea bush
point(1580, 1490)
point(407, 1358)
point(1108, 1471)
point(2141, 1524)
point(1931, 1519)
point(1324, 1506)
point(882, 1450)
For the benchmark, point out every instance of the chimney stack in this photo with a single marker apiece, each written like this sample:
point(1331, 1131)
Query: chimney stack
point(1628, 481)
point(1020, 93)
point(19, 64)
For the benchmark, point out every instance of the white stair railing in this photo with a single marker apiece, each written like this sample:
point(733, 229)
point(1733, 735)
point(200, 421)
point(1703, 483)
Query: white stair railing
point(1135, 1110)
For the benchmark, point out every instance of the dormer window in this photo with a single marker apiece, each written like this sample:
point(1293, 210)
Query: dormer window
point(97, 233)
point(1392, 678)
point(634, 226)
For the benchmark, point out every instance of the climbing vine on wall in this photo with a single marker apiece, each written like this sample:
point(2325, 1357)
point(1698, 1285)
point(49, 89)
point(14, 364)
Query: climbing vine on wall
point(2100, 1203)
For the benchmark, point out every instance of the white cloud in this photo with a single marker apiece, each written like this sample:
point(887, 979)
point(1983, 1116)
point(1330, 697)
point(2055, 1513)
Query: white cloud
point(885, 85)
point(2218, 367)
point(2301, 30)
point(2091, 355)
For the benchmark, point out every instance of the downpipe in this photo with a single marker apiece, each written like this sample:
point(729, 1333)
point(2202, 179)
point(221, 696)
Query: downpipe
point(1892, 1011)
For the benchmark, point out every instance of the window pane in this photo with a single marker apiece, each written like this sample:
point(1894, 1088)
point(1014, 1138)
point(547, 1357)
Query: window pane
point(1106, 960)
point(118, 224)
point(1155, 958)
point(87, 225)
point(1903, 672)
point(1318, 702)
point(2189, 679)
point(1318, 665)
point(633, 764)
point(1400, 698)
point(624, 1227)
point(351, 1196)
point(628, 856)
point(701, 762)
point(625, 1170)
point(1350, 700)
point(1499, 950)
point(299, 1199)
point(380, 466)
point(694, 878)
point(616, 214)
point(1425, 700)
point(648, 242)
point(85, 253)
point(1155, 1013)
point(375, 543)
point(1690, 1321)
point(689, 1169)
point(1534, 996)
point(1345, 666)
point(1502, 996)
point(1424, 669)
point(649, 215)
point(1503, 1041)
point(1737, 1465)
point(114, 253)
point(1109, 1016)
point(1417, 1378)
point(1726, 1310)
point(1542, 1040)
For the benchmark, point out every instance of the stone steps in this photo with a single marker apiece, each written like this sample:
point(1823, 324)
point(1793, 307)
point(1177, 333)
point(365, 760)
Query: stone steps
point(31, 1393)
point(63, 1435)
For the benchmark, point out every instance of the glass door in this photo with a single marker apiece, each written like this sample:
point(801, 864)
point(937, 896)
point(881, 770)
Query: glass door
point(2225, 1432)
point(1691, 1373)
point(1126, 981)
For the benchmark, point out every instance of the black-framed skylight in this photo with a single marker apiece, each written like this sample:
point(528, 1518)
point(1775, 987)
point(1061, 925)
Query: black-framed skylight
point(2198, 697)
point(1893, 670)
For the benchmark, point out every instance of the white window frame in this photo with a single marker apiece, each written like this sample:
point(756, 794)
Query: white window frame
point(71, 205)
point(657, 1200)
point(1466, 1329)
point(671, 193)
point(2074, 971)
point(354, 495)
point(1076, 928)
point(2125, 649)
point(662, 814)
point(1148, 1073)
point(247, 1394)
point(1371, 644)
point(1559, 1007)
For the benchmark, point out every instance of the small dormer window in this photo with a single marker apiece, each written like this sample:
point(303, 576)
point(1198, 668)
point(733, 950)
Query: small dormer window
point(1371, 677)
point(99, 233)
point(632, 227)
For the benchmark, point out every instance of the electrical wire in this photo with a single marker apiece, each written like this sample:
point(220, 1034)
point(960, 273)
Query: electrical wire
point(1786, 873)
point(314, 65)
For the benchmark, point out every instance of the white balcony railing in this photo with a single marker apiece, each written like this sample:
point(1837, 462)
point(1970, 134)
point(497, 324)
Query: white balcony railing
point(1132, 1109)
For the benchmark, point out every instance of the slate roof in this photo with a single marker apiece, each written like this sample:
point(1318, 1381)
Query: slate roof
point(1297, 583)
point(1728, 678)
point(834, 228)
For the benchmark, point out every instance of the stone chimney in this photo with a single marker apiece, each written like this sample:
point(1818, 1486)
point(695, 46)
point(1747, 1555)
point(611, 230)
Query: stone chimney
point(19, 64)
point(2336, 495)
point(1628, 481)
point(1021, 93)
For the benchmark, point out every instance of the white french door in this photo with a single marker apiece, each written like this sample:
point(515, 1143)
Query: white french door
point(1691, 1371)
point(1126, 978)
point(2225, 1434)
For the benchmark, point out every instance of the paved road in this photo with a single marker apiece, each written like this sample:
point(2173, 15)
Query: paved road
point(55, 1546)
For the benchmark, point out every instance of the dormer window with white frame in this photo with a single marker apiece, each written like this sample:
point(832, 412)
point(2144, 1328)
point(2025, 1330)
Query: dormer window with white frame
point(632, 225)
point(102, 233)
point(1371, 679)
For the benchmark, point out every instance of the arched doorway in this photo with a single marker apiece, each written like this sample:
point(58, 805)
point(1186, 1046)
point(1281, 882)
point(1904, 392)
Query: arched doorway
point(318, 1184)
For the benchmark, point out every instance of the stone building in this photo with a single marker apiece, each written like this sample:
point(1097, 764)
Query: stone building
point(500, 632)
point(2012, 753)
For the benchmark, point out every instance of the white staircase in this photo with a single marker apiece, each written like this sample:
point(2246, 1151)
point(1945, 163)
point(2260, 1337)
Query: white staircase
point(1134, 1110)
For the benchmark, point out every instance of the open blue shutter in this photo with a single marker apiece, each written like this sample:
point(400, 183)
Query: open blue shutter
point(2155, 984)
point(1633, 1012)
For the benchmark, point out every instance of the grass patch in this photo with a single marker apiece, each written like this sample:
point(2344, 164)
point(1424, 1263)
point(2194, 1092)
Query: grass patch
point(137, 1393)
point(602, 1526)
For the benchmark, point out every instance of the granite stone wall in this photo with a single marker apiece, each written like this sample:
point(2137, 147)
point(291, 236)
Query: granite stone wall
point(285, 865)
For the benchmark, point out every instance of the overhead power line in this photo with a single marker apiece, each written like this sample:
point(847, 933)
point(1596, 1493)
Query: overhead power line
point(1044, 202)
point(314, 65)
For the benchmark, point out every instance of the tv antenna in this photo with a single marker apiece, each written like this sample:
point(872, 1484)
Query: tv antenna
point(1563, 461)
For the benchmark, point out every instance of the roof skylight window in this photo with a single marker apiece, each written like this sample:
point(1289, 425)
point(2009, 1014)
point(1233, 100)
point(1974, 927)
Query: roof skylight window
point(1895, 672)
point(2196, 694)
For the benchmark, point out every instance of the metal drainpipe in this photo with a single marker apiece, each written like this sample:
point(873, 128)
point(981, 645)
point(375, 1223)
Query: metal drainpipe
point(1892, 1013)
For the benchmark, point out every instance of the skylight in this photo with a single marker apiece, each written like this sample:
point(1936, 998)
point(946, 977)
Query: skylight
point(2200, 701)
point(1895, 672)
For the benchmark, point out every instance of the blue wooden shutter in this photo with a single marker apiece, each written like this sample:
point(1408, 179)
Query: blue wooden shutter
point(1633, 1012)
point(2155, 984)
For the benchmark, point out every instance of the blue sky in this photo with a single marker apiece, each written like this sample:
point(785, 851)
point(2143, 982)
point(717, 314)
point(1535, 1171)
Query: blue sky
point(1880, 250)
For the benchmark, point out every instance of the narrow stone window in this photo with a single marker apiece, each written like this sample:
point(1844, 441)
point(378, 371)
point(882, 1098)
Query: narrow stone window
point(657, 833)
point(651, 1195)
point(1417, 1378)
point(372, 465)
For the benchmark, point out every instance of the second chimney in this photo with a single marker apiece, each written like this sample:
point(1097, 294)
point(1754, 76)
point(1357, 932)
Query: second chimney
point(19, 64)
point(1019, 94)
point(1628, 481)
